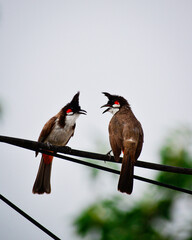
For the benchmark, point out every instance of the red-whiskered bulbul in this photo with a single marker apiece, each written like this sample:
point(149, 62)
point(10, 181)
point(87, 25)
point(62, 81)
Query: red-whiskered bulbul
point(125, 135)
point(57, 131)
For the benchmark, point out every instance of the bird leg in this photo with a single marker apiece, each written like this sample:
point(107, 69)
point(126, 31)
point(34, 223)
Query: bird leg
point(109, 154)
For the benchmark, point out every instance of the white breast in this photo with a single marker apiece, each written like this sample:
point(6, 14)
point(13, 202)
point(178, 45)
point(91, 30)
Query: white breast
point(60, 136)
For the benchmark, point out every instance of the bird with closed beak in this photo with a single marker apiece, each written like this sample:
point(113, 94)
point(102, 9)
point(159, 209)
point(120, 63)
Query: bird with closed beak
point(125, 135)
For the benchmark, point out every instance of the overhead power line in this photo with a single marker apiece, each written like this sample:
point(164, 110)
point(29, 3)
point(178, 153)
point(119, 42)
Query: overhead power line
point(44, 148)
point(38, 146)
point(5, 200)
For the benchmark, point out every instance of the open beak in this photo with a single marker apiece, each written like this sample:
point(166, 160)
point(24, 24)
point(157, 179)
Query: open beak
point(81, 111)
point(108, 107)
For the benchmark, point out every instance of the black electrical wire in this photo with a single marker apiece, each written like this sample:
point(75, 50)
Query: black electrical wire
point(5, 200)
point(117, 172)
point(36, 146)
point(44, 148)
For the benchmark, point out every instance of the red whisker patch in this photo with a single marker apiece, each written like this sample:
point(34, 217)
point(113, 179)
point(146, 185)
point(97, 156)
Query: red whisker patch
point(68, 110)
point(116, 102)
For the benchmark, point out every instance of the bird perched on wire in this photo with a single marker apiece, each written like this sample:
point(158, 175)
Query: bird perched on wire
point(125, 135)
point(57, 131)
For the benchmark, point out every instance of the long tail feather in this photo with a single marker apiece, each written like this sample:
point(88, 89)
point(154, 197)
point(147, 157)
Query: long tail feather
point(126, 176)
point(42, 181)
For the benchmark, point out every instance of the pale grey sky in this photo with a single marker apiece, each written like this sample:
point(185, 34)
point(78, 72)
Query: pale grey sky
point(139, 49)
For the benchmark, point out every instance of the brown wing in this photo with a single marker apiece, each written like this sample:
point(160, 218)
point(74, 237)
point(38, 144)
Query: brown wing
point(140, 142)
point(46, 130)
point(115, 137)
point(125, 128)
point(133, 131)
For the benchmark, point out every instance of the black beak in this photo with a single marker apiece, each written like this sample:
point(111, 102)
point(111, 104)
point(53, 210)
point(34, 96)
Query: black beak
point(81, 111)
point(106, 105)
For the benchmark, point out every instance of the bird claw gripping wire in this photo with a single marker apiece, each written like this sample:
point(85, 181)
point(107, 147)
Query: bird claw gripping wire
point(49, 145)
point(109, 155)
point(67, 149)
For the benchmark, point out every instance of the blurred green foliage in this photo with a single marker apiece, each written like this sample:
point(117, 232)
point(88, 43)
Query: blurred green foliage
point(114, 219)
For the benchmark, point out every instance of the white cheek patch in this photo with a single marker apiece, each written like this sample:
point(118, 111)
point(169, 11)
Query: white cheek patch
point(116, 106)
point(69, 113)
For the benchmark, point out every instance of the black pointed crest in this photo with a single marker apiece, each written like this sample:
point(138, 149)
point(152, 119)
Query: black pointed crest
point(113, 98)
point(107, 94)
point(74, 105)
point(75, 100)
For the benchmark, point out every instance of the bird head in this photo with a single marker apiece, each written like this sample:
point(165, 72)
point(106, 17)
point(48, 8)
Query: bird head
point(114, 103)
point(73, 107)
